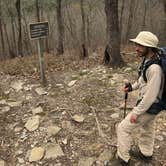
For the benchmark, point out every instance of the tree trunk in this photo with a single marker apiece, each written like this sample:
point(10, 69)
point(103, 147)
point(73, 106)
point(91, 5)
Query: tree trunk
point(11, 53)
point(18, 8)
point(121, 16)
point(130, 19)
point(112, 55)
point(165, 18)
point(37, 11)
point(84, 51)
point(1, 32)
point(14, 36)
point(60, 49)
point(144, 16)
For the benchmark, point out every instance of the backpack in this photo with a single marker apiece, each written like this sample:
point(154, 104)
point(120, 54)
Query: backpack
point(160, 60)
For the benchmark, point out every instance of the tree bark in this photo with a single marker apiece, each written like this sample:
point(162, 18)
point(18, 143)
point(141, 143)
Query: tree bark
point(84, 51)
point(1, 31)
point(18, 8)
point(37, 11)
point(164, 2)
point(60, 48)
point(112, 55)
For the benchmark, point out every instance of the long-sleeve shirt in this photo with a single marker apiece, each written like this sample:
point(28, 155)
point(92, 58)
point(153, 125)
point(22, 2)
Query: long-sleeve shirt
point(149, 91)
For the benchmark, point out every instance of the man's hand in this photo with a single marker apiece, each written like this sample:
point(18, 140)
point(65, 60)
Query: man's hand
point(133, 118)
point(127, 88)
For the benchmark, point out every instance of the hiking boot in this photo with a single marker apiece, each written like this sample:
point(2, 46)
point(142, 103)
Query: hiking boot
point(138, 154)
point(118, 162)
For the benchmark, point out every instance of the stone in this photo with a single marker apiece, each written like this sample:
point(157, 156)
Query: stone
point(20, 160)
point(115, 116)
point(53, 130)
point(5, 109)
point(3, 101)
point(36, 154)
point(78, 118)
point(40, 91)
point(53, 151)
point(17, 129)
point(86, 161)
point(159, 138)
point(17, 85)
point(71, 83)
point(128, 69)
point(106, 155)
point(37, 110)
point(2, 163)
point(32, 123)
point(164, 133)
point(14, 103)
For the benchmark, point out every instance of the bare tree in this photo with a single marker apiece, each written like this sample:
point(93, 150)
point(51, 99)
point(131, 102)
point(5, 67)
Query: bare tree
point(37, 11)
point(60, 48)
point(84, 51)
point(112, 56)
point(1, 31)
point(164, 2)
point(144, 15)
point(18, 8)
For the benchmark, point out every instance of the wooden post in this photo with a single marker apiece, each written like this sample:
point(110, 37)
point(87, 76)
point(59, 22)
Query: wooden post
point(38, 31)
point(41, 62)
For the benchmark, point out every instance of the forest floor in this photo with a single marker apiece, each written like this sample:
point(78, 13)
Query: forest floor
point(71, 121)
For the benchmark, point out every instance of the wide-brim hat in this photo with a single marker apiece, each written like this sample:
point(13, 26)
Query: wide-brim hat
point(146, 39)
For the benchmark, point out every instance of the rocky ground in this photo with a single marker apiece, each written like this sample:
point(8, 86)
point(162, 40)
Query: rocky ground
point(71, 122)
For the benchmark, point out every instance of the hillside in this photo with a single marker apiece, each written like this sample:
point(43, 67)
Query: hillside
point(71, 122)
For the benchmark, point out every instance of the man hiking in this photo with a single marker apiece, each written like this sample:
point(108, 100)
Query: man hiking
point(150, 85)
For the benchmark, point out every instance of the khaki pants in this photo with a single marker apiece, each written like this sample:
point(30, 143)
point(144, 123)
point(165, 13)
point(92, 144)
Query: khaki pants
point(147, 133)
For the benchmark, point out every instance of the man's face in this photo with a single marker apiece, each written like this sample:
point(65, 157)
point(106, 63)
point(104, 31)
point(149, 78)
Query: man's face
point(142, 51)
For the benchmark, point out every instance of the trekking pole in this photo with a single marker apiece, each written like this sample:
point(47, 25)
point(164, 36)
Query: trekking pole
point(125, 105)
point(126, 97)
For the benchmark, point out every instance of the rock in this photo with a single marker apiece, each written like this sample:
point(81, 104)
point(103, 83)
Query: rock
point(20, 160)
point(3, 101)
point(59, 85)
point(84, 72)
point(115, 116)
point(86, 161)
point(53, 130)
point(106, 155)
point(36, 154)
point(32, 123)
point(5, 109)
point(70, 84)
point(160, 138)
point(17, 129)
point(64, 141)
point(37, 110)
point(164, 133)
point(15, 104)
point(128, 69)
point(40, 91)
point(2, 163)
point(78, 118)
point(17, 85)
point(53, 151)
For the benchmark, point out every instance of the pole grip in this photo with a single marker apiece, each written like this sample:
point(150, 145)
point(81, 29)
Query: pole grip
point(126, 96)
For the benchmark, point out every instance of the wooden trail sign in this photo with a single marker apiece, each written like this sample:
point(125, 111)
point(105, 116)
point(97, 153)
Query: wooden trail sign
point(37, 31)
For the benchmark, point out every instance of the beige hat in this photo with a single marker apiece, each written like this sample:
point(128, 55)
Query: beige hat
point(147, 39)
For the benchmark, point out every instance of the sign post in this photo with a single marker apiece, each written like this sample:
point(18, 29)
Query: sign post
point(38, 31)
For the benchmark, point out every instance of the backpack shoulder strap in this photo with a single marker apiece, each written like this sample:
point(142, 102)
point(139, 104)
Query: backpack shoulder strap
point(147, 65)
